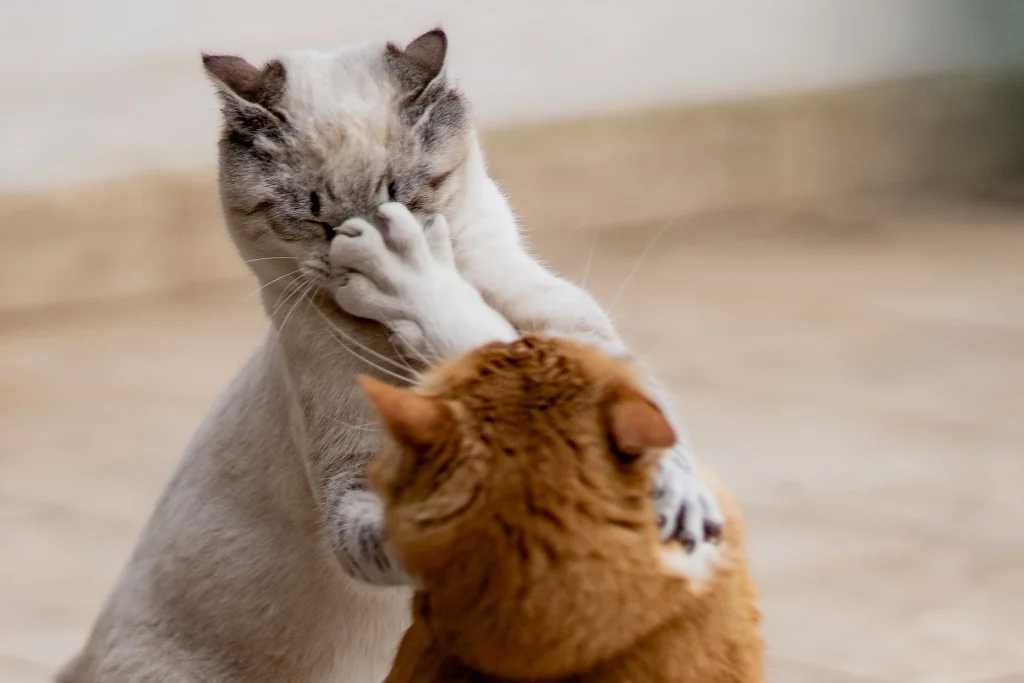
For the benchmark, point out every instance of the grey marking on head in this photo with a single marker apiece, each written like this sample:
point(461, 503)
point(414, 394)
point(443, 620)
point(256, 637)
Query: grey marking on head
point(315, 138)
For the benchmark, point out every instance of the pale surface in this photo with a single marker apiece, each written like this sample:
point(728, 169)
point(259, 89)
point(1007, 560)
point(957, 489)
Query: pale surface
point(856, 375)
point(111, 88)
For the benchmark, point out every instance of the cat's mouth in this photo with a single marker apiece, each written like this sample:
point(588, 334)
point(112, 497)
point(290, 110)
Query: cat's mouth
point(316, 270)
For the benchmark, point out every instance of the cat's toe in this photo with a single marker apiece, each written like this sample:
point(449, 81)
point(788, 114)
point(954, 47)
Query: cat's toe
point(408, 337)
point(711, 514)
point(403, 230)
point(352, 228)
point(358, 246)
point(688, 512)
point(359, 296)
point(439, 240)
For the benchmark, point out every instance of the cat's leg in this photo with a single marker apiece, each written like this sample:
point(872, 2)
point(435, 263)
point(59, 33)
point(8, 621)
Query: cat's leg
point(357, 525)
point(491, 255)
point(396, 278)
point(403, 275)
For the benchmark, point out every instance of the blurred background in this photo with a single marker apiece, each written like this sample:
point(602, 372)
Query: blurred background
point(807, 215)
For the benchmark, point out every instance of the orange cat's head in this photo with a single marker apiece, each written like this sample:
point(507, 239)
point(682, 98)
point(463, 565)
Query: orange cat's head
point(516, 483)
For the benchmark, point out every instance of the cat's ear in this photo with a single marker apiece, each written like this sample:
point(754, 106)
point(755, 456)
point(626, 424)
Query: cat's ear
point(635, 424)
point(413, 419)
point(421, 64)
point(248, 91)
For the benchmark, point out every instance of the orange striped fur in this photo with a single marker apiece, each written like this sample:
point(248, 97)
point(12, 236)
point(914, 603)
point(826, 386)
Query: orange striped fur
point(516, 484)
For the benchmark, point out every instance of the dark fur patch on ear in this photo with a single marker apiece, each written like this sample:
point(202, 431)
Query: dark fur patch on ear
point(430, 50)
point(260, 86)
point(419, 63)
point(416, 71)
point(275, 78)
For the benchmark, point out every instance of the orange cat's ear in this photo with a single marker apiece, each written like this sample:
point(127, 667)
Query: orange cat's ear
point(413, 419)
point(635, 424)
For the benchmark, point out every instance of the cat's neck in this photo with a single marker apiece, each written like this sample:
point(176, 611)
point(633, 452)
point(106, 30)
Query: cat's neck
point(315, 352)
point(564, 621)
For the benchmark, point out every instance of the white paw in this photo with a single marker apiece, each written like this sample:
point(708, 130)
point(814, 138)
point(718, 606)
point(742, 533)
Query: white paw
point(376, 265)
point(401, 274)
point(687, 511)
point(404, 235)
point(439, 239)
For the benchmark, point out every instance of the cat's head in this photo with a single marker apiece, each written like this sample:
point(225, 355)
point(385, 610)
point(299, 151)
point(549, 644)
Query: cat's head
point(311, 139)
point(514, 472)
point(543, 447)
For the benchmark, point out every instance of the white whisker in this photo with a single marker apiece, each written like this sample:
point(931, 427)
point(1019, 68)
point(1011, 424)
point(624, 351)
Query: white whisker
point(375, 354)
point(299, 300)
point(379, 356)
point(408, 345)
point(262, 287)
point(268, 258)
point(369, 426)
point(590, 259)
point(290, 290)
point(335, 331)
point(639, 262)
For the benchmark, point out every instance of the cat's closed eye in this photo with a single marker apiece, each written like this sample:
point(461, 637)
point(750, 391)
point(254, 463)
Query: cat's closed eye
point(314, 209)
point(438, 180)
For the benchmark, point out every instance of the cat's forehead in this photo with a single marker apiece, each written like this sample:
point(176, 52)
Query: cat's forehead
point(349, 84)
point(533, 366)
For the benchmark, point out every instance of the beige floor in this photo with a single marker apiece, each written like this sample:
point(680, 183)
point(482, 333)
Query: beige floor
point(856, 375)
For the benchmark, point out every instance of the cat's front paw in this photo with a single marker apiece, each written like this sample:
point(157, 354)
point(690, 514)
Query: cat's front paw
point(687, 510)
point(362, 542)
point(383, 269)
point(402, 274)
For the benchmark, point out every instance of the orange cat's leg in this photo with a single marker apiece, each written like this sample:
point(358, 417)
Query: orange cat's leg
point(733, 629)
point(419, 660)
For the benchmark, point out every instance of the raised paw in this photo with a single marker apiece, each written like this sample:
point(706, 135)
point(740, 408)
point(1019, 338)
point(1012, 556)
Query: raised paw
point(399, 273)
point(360, 296)
point(361, 541)
point(404, 233)
point(439, 240)
point(392, 251)
point(687, 510)
point(393, 270)
point(365, 274)
point(359, 247)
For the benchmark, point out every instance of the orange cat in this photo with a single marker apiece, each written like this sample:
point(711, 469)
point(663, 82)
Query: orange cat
point(516, 484)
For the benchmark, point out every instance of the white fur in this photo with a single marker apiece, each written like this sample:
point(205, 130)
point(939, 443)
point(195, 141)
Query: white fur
point(246, 569)
point(698, 565)
point(413, 288)
point(489, 253)
point(409, 283)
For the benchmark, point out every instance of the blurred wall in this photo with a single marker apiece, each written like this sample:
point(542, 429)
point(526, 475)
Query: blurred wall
point(110, 88)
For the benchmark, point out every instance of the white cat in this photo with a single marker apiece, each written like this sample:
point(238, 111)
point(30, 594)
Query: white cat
point(264, 559)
